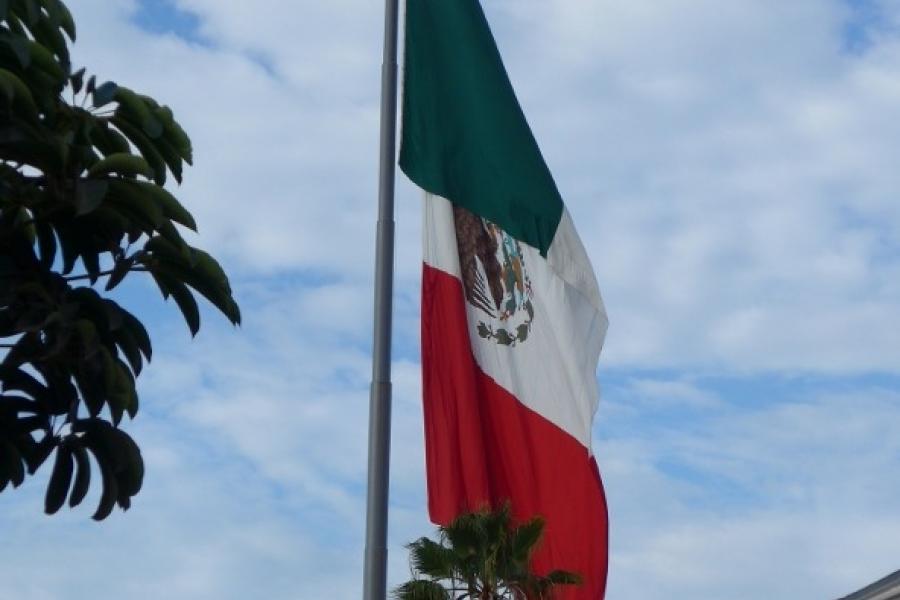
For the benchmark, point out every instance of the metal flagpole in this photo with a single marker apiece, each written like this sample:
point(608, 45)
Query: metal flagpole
point(375, 570)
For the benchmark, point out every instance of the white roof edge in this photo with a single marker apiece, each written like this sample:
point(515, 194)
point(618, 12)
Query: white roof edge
point(887, 588)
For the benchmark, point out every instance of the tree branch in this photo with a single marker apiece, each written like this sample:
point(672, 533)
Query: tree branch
point(104, 274)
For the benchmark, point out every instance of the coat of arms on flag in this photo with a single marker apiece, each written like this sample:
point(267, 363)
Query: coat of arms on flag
point(495, 278)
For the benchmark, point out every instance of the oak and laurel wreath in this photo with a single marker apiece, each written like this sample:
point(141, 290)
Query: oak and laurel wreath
point(505, 337)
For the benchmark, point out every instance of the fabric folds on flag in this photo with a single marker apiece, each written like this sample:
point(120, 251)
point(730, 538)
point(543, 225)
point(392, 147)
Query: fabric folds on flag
point(512, 318)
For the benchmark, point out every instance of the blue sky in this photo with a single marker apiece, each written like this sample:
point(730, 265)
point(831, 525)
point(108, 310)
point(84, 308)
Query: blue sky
point(162, 17)
point(732, 170)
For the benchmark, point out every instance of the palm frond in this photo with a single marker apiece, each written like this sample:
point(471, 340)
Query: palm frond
point(540, 586)
point(560, 577)
point(421, 589)
point(432, 559)
point(481, 554)
point(466, 533)
point(524, 539)
point(496, 524)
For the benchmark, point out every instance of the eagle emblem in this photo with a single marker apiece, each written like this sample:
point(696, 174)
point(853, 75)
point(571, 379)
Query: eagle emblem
point(494, 278)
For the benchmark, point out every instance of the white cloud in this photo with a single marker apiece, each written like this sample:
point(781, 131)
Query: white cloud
point(730, 167)
point(789, 500)
point(674, 394)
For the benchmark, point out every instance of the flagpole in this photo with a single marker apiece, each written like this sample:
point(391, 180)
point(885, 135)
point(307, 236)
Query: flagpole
point(375, 569)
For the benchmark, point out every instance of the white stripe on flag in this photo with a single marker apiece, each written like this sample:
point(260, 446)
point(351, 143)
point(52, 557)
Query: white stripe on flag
point(554, 371)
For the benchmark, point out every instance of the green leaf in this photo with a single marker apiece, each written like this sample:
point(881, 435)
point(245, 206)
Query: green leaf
point(17, 404)
point(126, 194)
point(64, 16)
point(121, 393)
point(219, 297)
point(502, 336)
point(120, 462)
point(522, 332)
point(40, 453)
point(103, 94)
point(46, 239)
point(87, 304)
point(25, 222)
point(11, 467)
point(133, 402)
point(60, 480)
point(43, 59)
point(114, 319)
point(146, 147)
point(131, 476)
point(165, 250)
point(108, 140)
point(136, 222)
point(31, 424)
point(119, 271)
point(171, 156)
point(210, 269)
point(129, 391)
point(121, 163)
point(20, 145)
point(21, 95)
point(32, 11)
point(170, 233)
point(15, 379)
point(77, 79)
point(18, 46)
point(185, 301)
point(139, 333)
point(99, 439)
point(178, 138)
point(82, 475)
point(29, 344)
point(116, 398)
point(110, 489)
point(91, 260)
point(205, 275)
point(70, 244)
point(128, 345)
point(133, 108)
point(171, 207)
point(89, 194)
point(51, 38)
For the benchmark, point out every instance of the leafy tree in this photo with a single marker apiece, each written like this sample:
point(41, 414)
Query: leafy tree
point(82, 207)
point(480, 556)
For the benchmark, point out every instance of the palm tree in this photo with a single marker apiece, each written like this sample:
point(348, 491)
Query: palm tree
point(480, 556)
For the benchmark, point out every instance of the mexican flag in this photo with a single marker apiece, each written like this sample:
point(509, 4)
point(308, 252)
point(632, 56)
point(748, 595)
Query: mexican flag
point(512, 318)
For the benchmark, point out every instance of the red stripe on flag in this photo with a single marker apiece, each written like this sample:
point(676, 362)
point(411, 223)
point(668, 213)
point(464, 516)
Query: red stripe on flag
point(484, 447)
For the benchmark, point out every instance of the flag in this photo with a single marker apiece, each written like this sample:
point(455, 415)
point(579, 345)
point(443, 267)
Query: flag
point(512, 318)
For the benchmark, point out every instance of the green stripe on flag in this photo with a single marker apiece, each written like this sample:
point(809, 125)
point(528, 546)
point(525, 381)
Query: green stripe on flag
point(464, 136)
